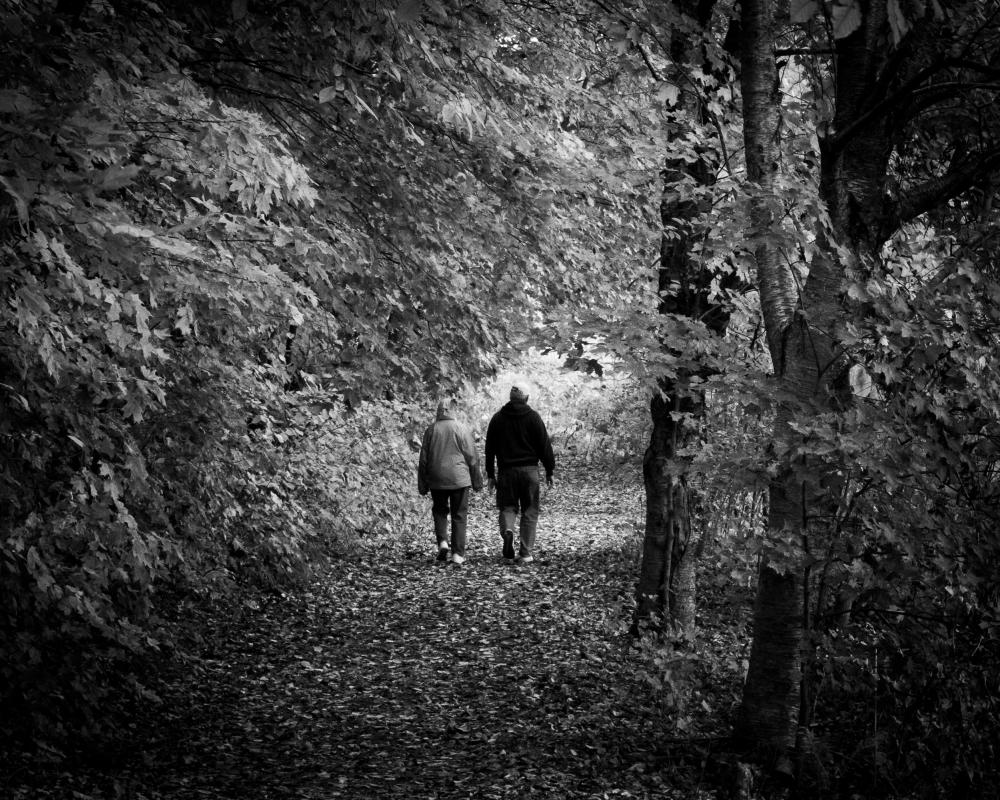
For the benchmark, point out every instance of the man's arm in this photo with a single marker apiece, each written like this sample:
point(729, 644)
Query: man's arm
point(548, 459)
point(544, 449)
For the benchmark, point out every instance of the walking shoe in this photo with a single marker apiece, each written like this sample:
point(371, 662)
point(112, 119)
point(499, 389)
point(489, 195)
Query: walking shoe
point(525, 559)
point(457, 560)
point(442, 551)
point(508, 544)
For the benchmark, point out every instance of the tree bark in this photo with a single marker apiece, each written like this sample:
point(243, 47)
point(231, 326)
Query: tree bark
point(670, 543)
point(667, 543)
point(801, 334)
point(685, 597)
point(653, 587)
point(768, 713)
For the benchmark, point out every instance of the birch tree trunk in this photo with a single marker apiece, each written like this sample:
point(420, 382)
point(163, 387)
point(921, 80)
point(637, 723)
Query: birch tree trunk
point(809, 372)
point(769, 711)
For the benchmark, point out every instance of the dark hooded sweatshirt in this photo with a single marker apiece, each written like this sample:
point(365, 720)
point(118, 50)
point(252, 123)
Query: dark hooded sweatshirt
point(516, 437)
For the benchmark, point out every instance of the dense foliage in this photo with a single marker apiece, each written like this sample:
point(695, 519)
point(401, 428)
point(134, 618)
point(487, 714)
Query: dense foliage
point(912, 548)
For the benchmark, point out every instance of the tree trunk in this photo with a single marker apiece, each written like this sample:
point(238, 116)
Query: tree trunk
point(685, 596)
point(801, 332)
point(683, 284)
point(652, 590)
point(667, 545)
point(768, 714)
point(769, 710)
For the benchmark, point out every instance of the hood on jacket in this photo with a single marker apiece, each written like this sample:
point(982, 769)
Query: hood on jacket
point(515, 408)
point(444, 410)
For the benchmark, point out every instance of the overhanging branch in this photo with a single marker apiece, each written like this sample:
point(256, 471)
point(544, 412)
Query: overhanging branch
point(958, 179)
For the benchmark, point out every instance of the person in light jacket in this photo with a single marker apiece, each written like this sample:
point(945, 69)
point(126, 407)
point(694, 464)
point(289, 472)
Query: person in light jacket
point(448, 468)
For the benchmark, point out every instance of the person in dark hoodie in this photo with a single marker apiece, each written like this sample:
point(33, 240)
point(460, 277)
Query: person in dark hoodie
point(516, 441)
point(448, 466)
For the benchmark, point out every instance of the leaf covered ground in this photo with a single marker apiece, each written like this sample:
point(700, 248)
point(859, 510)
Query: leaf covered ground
point(392, 675)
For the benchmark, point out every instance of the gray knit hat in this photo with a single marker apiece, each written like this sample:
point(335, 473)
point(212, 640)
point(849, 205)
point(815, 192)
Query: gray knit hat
point(518, 392)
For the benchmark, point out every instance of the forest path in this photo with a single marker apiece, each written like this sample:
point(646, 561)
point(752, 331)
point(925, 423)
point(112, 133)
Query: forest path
point(395, 676)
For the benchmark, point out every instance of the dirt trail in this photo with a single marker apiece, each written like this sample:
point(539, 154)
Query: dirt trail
point(395, 676)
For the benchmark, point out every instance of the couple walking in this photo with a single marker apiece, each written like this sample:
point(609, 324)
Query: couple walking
point(516, 441)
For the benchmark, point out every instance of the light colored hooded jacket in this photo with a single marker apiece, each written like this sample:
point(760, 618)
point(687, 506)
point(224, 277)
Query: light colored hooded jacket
point(448, 457)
